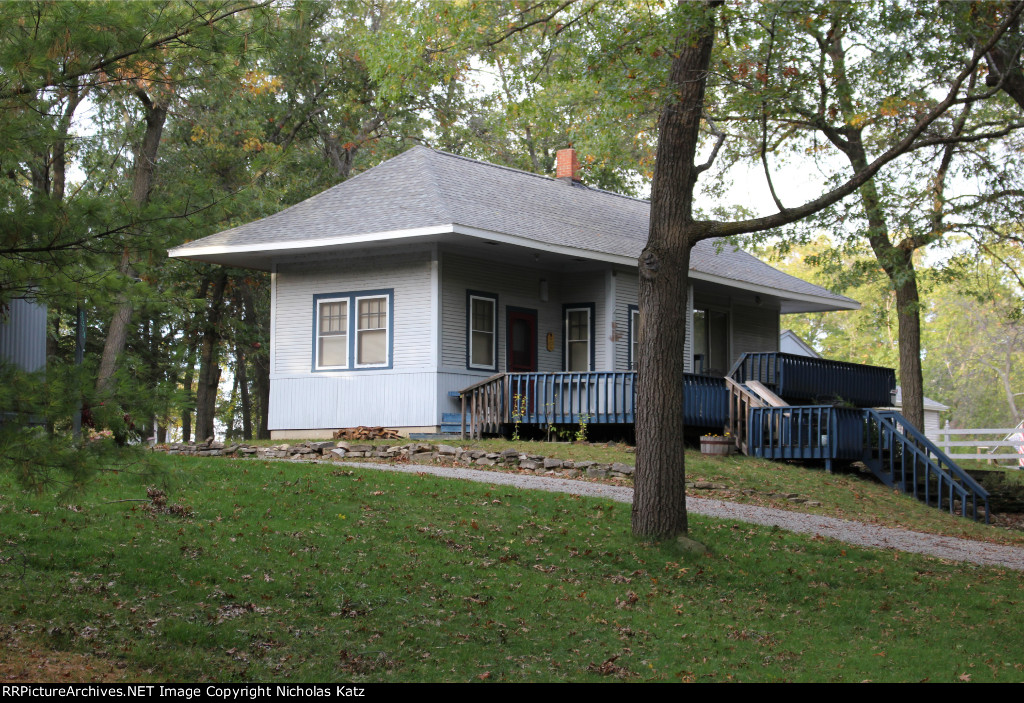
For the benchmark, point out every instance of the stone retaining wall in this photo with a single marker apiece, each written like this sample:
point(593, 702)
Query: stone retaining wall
point(414, 452)
point(447, 455)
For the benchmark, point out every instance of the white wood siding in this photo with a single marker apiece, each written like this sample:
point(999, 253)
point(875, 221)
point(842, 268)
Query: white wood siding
point(515, 286)
point(626, 294)
point(296, 284)
point(589, 287)
point(755, 328)
point(688, 347)
point(454, 381)
point(402, 396)
point(332, 401)
point(932, 427)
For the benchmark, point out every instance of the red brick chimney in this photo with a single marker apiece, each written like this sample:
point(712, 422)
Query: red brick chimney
point(567, 168)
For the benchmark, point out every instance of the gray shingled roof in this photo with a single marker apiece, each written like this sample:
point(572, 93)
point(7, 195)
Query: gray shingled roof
point(423, 188)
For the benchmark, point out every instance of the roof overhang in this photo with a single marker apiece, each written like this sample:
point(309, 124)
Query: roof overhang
point(261, 256)
point(790, 301)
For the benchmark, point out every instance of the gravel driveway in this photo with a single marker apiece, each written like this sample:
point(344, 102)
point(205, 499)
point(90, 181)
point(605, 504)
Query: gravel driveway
point(858, 533)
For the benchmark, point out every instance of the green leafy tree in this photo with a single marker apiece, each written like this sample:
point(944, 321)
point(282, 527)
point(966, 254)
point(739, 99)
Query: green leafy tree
point(974, 340)
point(819, 92)
point(865, 336)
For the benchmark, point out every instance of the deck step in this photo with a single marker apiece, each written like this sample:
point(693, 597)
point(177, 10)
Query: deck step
point(762, 392)
point(451, 418)
point(453, 429)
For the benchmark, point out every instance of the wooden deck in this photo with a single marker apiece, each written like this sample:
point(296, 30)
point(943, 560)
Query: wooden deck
point(771, 403)
point(803, 378)
point(609, 397)
point(599, 397)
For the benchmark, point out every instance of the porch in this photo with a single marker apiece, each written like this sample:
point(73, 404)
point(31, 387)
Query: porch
point(595, 397)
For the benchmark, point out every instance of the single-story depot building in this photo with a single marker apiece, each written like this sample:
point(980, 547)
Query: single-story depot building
point(431, 272)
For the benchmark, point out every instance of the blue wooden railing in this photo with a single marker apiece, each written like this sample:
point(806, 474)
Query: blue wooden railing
point(899, 455)
point(705, 401)
point(905, 459)
point(896, 452)
point(605, 397)
point(800, 378)
point(566, 398)
point(819, 432)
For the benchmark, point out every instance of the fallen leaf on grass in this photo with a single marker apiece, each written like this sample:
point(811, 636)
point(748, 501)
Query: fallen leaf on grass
point(610, 668)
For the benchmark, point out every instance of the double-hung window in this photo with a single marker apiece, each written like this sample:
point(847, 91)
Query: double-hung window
point(634, 337)
point(332, 334)
point(372, 331)
point(352, 330)
point(579, 336)
point(482, 331)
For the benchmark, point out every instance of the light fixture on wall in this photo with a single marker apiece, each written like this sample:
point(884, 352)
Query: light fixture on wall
point(757, 300)
point(544, 290)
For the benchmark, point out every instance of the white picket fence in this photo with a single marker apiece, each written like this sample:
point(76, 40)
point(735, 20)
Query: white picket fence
point(1006, 447)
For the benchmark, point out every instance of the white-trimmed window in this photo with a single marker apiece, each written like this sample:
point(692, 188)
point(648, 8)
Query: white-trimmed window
point(578, 338)
point(483, 335)
point(634, 338)
point(372, 331)
point(332, 333)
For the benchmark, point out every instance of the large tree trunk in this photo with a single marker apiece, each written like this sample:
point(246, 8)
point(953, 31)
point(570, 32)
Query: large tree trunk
point(659, 497)
point(243, 390)
point(896, 260)
point(189, 405)
point(145, 168)
point(209, 366)
point(261, 380)
point(659, 508)
point(908, 313)
point(230, 431)
point(260, 359)
point(190, 366)
point(145, 422)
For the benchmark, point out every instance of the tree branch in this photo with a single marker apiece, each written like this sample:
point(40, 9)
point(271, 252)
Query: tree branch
point(103, 64)
point(714, 152)
point(759, 224)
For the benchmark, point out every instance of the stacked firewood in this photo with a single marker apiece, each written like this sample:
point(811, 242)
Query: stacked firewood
point(364, 433)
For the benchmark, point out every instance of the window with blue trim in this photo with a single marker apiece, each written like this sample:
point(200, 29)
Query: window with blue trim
point(634, 337)
point(332, 334)
point(372, 331)
point(352, 330)
point(579, 337)
point(482, 330)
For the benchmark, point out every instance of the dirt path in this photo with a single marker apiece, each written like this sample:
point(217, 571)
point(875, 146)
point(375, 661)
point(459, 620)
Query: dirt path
point(859, 533)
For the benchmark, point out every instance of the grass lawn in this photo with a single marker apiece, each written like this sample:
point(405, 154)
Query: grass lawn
point(850, 496)
point(287, 571)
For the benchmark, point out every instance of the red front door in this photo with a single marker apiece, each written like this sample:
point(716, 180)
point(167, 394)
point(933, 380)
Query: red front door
point(522, 341)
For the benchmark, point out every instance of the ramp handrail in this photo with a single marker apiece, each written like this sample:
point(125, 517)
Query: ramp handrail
point(889, 430)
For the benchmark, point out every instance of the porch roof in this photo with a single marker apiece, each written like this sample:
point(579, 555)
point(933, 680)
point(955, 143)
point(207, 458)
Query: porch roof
point(429, 195)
